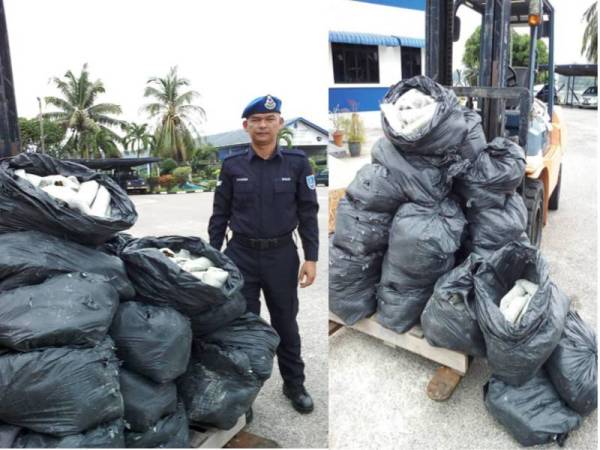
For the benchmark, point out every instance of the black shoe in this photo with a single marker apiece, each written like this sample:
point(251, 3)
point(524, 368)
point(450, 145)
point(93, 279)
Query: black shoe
point(301, 400)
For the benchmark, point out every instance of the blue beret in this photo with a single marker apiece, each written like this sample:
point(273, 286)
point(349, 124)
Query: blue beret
point(261, 105)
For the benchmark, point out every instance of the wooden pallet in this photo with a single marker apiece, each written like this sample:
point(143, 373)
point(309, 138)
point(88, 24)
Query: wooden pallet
point(214, 437)
point(446, 378)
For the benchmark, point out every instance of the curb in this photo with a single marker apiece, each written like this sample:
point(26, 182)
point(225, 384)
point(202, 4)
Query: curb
point(184, 192)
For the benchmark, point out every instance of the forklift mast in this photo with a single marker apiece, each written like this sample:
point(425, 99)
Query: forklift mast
point(9, 124)
point(442, 28)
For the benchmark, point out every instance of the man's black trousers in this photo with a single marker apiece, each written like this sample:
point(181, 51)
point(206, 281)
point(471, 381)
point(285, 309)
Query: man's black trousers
point(275, 271)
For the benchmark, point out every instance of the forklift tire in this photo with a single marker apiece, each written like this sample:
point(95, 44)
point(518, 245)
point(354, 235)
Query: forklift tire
point(534, 200)
point(554, 198)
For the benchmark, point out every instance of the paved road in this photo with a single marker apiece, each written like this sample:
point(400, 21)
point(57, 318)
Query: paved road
point(377, 394)
point(274, 418)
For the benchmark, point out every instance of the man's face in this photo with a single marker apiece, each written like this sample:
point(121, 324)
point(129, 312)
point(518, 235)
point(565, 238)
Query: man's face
point(263, 128)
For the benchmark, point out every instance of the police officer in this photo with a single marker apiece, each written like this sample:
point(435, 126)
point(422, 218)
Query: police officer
point(263, 195)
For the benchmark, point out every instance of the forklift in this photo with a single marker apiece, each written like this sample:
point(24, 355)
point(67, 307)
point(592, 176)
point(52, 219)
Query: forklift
point(504, 95)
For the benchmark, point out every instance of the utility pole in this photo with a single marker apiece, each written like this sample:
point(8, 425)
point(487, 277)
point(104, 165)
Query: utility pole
point(41, 125)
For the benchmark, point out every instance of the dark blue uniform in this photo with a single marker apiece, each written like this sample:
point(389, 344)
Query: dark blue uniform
point(263, 199)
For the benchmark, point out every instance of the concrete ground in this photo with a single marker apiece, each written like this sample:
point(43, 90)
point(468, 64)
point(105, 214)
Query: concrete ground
point(274, 417)
point(378, 394)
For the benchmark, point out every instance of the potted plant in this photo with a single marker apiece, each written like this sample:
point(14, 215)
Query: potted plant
point(336, 119)
point(356, 134)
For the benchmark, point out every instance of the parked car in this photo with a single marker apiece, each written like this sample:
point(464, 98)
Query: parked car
point(131, 181)
point(322, 177)
point(589, 98)
point(543, 95)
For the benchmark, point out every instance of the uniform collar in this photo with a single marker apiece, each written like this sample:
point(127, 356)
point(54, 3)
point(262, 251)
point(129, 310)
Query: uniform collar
point(252, 153)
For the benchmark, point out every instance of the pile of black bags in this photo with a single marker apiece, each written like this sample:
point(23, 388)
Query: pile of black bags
point(97, 327)
point(455, 247)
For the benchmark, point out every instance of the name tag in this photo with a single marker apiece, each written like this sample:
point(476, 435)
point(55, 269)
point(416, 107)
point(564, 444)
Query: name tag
point(241, 179)
point(286, 179)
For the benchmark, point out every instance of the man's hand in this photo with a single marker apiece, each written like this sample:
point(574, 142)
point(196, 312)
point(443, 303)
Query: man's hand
point(308, 273)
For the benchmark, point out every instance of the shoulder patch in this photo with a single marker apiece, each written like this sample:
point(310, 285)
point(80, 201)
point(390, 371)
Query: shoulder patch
point(311, 182)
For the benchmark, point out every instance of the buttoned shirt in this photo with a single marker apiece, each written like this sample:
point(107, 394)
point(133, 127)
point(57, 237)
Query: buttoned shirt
point(266, 198)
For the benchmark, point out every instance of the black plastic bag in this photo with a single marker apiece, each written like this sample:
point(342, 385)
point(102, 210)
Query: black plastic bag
point(169, 432)
point(218, 316)
point(160, 281)
point(218, 387)
point(153, 341)
point(145, 401)
point(423, 180)
point(446, 131)
point(495, 173)
point(492, 228)
point(72, 309)
point(251, 335)
point(515, 352)
point(26, 207)
point(352, 284)
point(373, 190)
point(423, 239)
point(8, 434)
point(106, 435)
point(30, 257)
point(533, 413)
point(399, 308)
point(115, 245)
point(449, 319)
point(60, 391)
point(573, 365)
point(360, 232)
point(475, 141)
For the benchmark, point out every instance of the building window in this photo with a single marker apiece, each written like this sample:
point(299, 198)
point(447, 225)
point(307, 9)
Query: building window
point(355, 63)
point(411, 62)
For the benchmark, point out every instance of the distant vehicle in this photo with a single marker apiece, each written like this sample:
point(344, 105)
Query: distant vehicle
point(322, 177)
point(543, 94)
point(589, 98)
point(131, 181)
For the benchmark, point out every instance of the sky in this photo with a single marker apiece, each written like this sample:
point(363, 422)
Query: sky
point(231, 50)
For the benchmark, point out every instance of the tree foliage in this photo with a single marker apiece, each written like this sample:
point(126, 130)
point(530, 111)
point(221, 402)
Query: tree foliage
point(589, 46)
point(30, 132)
point(137, 137)
point(519, 50)
point(88, 123)
point(172, 105)
point(285, 134)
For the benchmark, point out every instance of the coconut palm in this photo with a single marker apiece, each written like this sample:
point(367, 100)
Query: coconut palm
point(589, 47)
point(137, 137)
point(79, 113)
point(285, 135)
point(176, 114)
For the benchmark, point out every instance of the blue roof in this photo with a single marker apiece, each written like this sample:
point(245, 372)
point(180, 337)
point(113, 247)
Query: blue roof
point(347, 37)
point(237, 137)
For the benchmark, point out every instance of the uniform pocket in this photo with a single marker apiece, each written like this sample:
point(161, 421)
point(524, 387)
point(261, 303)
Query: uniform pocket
point(243, 187)
point(284, 185)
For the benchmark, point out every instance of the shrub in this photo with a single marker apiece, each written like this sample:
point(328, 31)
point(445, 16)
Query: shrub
point(167, 166)
point(210, 185)
point(182, 174)
point(153, 183)
point(167, 181)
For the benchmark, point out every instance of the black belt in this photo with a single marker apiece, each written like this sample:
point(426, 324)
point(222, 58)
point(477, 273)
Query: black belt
point(262, 243)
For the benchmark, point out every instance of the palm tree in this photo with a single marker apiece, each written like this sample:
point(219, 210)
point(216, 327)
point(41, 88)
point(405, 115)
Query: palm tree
point(589, 47)
point(286, 135)
point(79, 113)
point(137, 137)
point(176, 114)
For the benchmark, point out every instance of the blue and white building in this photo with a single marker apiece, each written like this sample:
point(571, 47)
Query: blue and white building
point(373, 44)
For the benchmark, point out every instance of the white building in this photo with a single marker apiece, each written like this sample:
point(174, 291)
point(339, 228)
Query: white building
point(373, 44)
